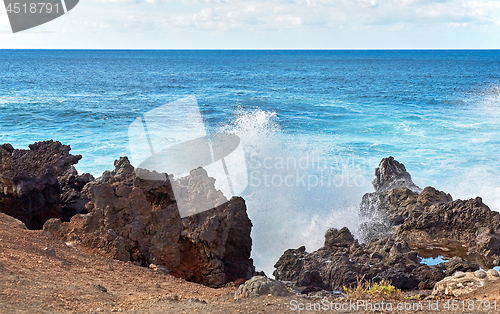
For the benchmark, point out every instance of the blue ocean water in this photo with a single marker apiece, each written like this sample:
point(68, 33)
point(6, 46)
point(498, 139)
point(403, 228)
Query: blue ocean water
point(435, 111)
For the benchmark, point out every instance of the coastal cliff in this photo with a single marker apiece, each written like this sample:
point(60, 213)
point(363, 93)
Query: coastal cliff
point(134, 218)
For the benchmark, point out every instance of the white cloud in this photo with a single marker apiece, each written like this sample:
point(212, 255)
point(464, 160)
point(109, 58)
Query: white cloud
point(310, 18)
point(335, 13)
point(458, 24)
point(258, 15)
point(396, 27)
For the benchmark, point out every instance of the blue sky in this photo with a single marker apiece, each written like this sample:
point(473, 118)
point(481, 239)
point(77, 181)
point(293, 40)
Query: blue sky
point(256, 24)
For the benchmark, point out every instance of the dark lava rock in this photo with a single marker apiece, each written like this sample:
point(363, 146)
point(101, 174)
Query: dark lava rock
point(430, 218)
point(459, 264)
point(343, 261)
point(396, 198)
point(310, 289)
point(30, 189)
point(312, 278)
point(260, 273)
point(388, 209)
point(429, 275)
point(338, 238)
point(399, 279)
point(137, 219)
point(469, 223)
point(391, 174)
point(423, 286)
point(343, 271)
point(290, 264)
point(72, 185)
point(402, 220)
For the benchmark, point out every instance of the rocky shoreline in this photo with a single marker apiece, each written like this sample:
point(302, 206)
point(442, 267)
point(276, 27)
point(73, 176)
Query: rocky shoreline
point(129, 218)
point(126, 217)
point(404, 224)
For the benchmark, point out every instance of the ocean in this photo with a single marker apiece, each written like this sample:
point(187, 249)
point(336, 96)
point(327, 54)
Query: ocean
point(323, 118)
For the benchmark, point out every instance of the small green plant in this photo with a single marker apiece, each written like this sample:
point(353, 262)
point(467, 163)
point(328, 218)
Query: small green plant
point(416, 297)
point(379, 290)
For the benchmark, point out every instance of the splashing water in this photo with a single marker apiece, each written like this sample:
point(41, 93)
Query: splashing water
point(289, 214)
point(295, 194)
point(330, 116)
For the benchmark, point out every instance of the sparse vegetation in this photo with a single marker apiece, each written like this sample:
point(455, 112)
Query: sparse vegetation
point(416, 297)
point(379, 290)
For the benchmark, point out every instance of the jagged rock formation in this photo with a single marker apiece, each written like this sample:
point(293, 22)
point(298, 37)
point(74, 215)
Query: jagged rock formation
point(135, 217)
point(72, 196)
point(30, 189)
point(429, 275)
point(430, 218)
point(387, 209)
point(459, 264)
point(470, 224)
point(391, 174)
point(343, 260)
point(403, 222)
point(395, 199)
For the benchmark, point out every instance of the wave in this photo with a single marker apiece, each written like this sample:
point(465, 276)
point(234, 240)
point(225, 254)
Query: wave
point(295, 192)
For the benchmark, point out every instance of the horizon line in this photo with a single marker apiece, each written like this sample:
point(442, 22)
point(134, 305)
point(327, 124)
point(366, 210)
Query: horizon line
point(255, 49)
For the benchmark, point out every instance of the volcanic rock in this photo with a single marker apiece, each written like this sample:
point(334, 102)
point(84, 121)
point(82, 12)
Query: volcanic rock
point(290, 264)
point(29, 183)
point(459, 264)
point(402, 221)
point(391, 174)
point(471, 224)
point(343, 261)
point(385, 210)
point(135, 217)
point(429, 219)
point(429, 275)
point(72, 185)
point(399, 279)
point(338, 238)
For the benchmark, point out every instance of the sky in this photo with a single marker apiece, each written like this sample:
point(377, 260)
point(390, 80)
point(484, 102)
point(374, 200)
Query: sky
point(256, 24)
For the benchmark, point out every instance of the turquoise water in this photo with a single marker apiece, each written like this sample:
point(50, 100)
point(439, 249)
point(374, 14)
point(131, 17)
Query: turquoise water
point(433, 260)
point(435, 111)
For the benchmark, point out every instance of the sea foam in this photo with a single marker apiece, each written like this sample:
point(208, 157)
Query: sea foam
point(289, 214)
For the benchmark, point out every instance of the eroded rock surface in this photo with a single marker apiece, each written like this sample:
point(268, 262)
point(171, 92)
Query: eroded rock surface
point(402, 222)
point(385, 210)
point(260, 285)
point(136, 218)
point(469, 223)
point(30, 189)
point(342, 261)
point(430, 218)
point(390, 175)
point(464, 283)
